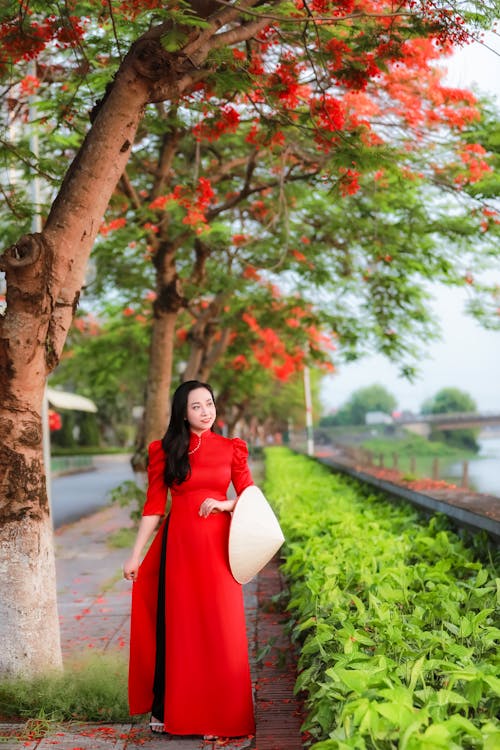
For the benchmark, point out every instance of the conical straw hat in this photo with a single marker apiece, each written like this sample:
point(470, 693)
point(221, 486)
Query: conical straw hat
point(254, 536)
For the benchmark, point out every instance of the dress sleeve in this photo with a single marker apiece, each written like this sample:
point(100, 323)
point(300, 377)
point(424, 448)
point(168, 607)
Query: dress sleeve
point(241, 476)
point(156, 495)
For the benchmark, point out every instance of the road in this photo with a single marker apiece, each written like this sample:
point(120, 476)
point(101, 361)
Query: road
point(80, 494)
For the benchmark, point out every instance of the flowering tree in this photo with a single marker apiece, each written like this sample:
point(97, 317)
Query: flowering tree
point(107, 361)
point(285, 61)
point(239, 352)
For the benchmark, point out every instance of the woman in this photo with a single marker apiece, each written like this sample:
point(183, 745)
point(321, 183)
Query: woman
point(188, 652)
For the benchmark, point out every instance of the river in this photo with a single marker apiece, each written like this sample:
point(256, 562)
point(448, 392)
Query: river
point(484, 471)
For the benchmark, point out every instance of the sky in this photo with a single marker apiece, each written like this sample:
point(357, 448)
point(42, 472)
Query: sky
point(467, 356)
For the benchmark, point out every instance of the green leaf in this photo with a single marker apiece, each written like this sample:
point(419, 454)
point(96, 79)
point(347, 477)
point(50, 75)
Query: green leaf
point(174, 39)
point(493, 683)
point(417, 672)
point(399, 715)
point(355, 680)
point(458, 725)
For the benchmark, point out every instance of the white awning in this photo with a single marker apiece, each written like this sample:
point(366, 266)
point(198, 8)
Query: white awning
point(65, 400)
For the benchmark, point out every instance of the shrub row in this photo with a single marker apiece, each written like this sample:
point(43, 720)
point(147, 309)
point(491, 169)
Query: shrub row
point(394, 617)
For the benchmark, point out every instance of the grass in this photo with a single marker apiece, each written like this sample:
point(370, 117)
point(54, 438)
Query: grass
point(92, 450)
point(122, 538)
point(93, 688)
point(424, 451)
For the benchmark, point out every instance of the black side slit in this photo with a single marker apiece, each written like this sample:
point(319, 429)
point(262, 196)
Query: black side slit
point(157, 709)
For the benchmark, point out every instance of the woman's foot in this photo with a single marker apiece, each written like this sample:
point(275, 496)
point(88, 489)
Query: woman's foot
point(156, 726)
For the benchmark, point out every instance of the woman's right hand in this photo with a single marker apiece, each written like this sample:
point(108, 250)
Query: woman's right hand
point(131, 568)
point(146, 527)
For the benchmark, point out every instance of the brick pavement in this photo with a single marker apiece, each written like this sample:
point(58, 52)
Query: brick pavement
point(94, 606)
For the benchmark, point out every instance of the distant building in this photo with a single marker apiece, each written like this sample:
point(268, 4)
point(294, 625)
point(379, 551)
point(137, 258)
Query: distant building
point(377, 417)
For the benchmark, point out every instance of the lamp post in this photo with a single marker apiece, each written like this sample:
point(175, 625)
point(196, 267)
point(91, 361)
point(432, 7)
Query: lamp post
point(309, 417)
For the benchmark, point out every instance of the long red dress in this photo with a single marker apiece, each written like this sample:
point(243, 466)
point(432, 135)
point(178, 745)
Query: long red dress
point(207, 676)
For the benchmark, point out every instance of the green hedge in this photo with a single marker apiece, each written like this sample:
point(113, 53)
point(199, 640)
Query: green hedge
point(394, 617)
point(87, 450)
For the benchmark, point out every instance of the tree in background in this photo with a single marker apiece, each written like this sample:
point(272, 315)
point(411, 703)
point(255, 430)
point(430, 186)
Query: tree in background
point(248, 344)
point(106, 360)
point(362, 401)
point(89, 431)
point(452, 401)
point(65, 438)
point(288, 191)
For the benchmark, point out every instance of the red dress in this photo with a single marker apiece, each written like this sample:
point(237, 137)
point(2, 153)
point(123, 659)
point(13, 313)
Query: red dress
point(207, 676)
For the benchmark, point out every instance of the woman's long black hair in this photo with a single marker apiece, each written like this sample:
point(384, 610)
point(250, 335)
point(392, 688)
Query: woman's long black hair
point(175, 442)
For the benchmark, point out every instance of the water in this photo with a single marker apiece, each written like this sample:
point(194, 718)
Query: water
point(484, 472)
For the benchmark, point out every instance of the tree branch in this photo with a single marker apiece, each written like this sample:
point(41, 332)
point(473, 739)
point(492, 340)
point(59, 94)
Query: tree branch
point(239, 34)
point(246, 191)
point(168, 150)
point(130, 190)
point(314, 19)
point(227, 168)
point(24, 253)
point(215, 353)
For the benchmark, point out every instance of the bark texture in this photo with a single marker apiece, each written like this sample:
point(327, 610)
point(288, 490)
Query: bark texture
point(29, 628)
point(160, 376)
point(168, 303)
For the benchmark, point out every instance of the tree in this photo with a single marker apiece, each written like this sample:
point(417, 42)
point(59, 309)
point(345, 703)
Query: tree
point(362, 401)
point(291, 130)
point(452, 401)
point(65, 437)
point(254, 342)
point(370, 269)
point(167, 54)
point(106, 360)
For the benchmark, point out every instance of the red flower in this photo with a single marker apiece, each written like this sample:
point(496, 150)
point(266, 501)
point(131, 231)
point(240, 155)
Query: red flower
point(204, 192)
point(55, 421)
point(348, 184)
point(328, 112)
point(240, 362)
point(29, 85)
point(239, 239)
point(114, 224)
point(160, 202)
point(299, 256)
point(251, 272)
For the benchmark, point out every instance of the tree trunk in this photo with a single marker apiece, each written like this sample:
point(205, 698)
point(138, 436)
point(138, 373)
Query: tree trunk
point(29, 626)
point(161, 358)
point(168, 303)
point(215, 353)
point(208, 341)
point(44, 274)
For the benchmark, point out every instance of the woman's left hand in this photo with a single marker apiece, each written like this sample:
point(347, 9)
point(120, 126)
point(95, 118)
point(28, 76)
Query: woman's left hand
point(210, 505)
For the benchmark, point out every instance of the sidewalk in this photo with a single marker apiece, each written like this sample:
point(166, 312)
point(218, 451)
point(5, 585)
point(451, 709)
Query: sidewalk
point(94, 606)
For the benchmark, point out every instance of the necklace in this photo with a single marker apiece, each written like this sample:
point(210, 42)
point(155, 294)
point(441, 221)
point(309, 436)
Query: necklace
point(195, 449)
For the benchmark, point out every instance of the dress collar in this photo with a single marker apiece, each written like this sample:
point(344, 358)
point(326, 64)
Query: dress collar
point(195, 440)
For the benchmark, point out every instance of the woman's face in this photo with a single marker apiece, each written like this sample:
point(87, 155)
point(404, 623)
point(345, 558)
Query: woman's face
point(200, 410)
